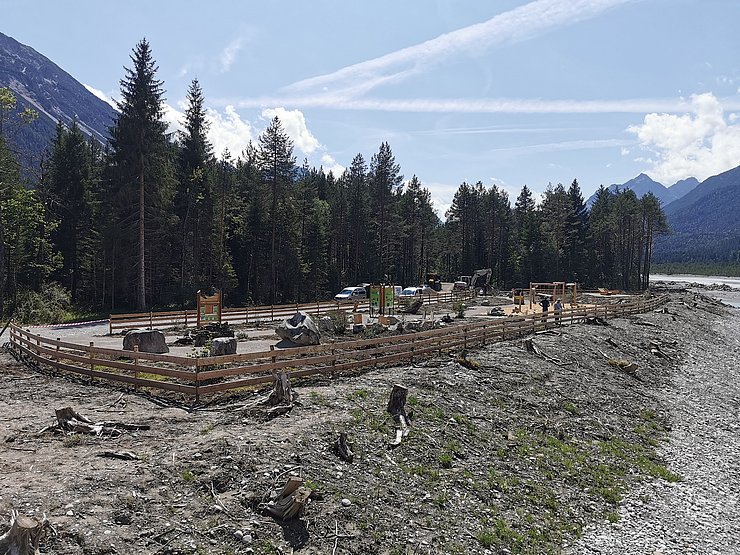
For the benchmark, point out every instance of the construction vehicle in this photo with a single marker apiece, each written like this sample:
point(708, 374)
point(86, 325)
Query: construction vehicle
point(481, 280)
point(434, 281)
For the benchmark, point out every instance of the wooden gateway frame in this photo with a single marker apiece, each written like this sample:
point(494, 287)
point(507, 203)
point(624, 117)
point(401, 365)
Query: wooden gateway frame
point(556, 288)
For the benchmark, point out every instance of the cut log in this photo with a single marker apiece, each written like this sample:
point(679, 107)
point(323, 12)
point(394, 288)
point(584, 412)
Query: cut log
point(291, 501)
point(123, 455)
point(23, 536)
point(343, 449)
point(596, 321)
point(281, 392)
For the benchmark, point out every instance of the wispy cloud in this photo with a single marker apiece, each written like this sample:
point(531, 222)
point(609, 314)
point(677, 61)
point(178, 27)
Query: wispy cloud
point(228, 54)
point(477, 106)
point(532, 19)
point(585, 144)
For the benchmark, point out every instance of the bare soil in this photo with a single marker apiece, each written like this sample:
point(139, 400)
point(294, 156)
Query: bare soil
point(508, 452)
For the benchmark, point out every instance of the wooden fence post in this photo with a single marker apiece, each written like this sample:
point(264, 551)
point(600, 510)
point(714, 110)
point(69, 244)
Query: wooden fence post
point(465, 337)
point(246, 316)
point(110, 324)
point(136, 365)
point(413, 340)
point(56, 358)
point(272, 312)
point(151, 325)
point(92, 365)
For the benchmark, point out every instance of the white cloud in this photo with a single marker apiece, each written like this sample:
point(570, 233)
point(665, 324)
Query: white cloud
point(228, 54)
point(331, 165)
point(698, 144)
point(101, 95)
point(228, 131)
point(294, 123)
point(515, 25)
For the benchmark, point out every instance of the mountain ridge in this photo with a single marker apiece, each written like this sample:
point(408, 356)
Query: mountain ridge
point(40, 84)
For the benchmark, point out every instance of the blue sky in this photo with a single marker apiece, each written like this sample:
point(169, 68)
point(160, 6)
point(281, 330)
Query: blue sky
point(507, 92)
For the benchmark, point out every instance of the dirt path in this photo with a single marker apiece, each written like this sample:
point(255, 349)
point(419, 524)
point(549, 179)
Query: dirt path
point(701, 514)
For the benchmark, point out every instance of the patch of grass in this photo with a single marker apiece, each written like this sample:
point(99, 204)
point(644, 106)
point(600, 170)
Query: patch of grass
point(358, 394)
point(499, 534)
point(72, 440)
point(571, 408)
point(187, 476)
point(445, 460)
point(612, 517)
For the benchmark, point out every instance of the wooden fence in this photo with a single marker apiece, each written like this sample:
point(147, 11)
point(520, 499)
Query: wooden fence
point(196, 377)
point(253, 314)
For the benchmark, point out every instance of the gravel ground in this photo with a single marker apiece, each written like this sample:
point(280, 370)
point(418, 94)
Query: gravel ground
point(701, 514)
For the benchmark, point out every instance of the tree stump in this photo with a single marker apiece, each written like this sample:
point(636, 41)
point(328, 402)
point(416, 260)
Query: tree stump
point(291, 501)
point(397, 408)
point(281, 392)
point(343, 449)
point(23, 536)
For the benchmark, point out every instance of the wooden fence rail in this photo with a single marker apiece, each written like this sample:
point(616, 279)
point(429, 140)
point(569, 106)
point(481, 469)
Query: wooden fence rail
point(254, 314)
point(195, 377)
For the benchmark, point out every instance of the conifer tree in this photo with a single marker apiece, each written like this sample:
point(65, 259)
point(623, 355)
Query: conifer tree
point(140, 154)
point(277, 165)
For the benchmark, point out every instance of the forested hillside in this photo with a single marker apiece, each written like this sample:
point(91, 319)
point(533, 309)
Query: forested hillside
point(151, 218)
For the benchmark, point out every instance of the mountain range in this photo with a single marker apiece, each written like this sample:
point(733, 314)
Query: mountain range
point(643, 184)
point(40, 84)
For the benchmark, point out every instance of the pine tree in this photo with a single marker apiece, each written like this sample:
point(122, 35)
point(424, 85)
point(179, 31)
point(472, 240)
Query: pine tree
point(385, 179)
point(277, 165)
point(194, 203)
point(140, 152)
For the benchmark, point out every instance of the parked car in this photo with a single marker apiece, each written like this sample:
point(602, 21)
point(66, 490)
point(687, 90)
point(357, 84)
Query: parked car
point(351, 294)
point(460, 286)
point(410, 292)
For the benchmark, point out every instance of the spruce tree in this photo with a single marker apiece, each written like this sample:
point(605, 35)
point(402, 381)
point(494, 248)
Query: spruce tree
point(140, 152)
point(277, 165)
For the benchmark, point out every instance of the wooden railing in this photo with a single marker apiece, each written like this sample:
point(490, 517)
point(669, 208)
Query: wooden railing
point(253, 314)
point(195, 377)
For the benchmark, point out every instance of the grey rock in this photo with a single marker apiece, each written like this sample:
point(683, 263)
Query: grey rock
point(358, 328)
point(326, 324)
point(148, 341)
point(223, 346)
point(300, 329)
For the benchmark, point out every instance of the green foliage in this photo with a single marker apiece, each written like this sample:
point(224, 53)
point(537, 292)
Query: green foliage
point(459, 309)
point(51, 305)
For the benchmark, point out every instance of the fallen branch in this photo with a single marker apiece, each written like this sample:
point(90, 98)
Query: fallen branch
point(68, 420)
point(123, 455)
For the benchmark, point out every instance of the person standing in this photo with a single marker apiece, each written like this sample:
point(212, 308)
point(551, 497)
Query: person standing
point(558, 308)
point(545, 304)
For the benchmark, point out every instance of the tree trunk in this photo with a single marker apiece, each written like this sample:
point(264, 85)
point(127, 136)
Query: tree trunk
point(141, 288)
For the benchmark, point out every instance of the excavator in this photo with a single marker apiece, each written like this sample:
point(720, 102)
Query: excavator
point(481, 279)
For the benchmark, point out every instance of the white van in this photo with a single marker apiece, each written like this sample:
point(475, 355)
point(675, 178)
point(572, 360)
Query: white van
point(351, 294)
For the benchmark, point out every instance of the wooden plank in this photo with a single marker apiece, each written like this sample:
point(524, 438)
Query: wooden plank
point(189, 389)
point(257, 368)
point(66, 355)
point(236, 384)
point(120, 353)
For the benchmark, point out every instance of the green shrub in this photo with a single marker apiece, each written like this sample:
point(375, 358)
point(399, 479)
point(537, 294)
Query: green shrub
point(49, 306)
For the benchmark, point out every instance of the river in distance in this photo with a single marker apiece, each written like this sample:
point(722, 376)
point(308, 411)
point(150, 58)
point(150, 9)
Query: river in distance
point(728, 297)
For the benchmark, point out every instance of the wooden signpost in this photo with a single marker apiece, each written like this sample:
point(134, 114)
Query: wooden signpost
point(209, 307)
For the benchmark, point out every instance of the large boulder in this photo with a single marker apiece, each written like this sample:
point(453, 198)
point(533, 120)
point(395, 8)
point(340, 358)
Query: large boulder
point(326, 323)
point(300, 329)
point(223, 346)
point(148, 341)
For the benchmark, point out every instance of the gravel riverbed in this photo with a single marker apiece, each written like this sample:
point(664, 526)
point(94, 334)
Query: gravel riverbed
point(701, 513)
